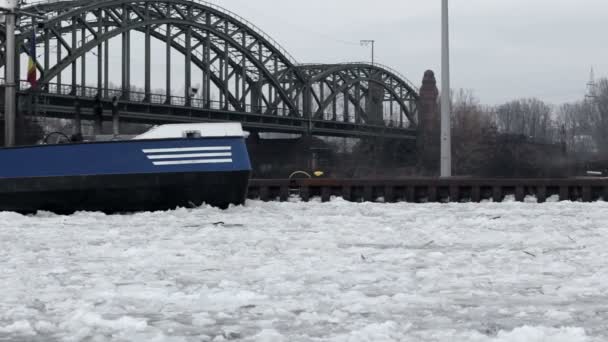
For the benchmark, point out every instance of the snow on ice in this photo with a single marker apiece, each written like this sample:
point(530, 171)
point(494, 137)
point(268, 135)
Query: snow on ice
point(339, 271)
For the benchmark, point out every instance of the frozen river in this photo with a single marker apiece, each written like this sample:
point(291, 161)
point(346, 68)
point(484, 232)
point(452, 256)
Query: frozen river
point(338, 271)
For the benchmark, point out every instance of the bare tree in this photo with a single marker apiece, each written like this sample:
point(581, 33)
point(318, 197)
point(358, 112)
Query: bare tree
point(574, 124)
point(470, 126)
point(599, 116)
point(469, 116)
point(527, 117)
point(583, 125)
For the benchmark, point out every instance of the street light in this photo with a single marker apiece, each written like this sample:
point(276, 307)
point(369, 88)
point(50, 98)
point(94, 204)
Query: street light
point(367, 42)
point(8, 8)
point(446, 117)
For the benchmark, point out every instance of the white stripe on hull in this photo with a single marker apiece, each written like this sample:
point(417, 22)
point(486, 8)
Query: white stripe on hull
point(192, 162)
point(193, 155)
point(189, 149)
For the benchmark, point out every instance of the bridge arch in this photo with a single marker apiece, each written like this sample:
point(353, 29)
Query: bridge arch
point(245, 68)
point(236, 57)
point(361, 82)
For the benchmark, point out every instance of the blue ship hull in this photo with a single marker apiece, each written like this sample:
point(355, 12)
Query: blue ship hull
point(124, 176)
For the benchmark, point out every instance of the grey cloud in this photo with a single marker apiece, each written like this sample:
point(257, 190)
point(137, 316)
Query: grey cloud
point(502, 49)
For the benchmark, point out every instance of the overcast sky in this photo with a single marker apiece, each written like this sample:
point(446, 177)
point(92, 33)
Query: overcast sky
point(501, 49)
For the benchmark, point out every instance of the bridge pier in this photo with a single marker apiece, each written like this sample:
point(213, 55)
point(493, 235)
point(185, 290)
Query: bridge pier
point(115, 118)
point(98, 117)
point(77, 119)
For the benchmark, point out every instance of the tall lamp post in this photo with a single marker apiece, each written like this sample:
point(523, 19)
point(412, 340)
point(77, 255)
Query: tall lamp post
point(8, 8)
point(367, 42)
point(446, 116)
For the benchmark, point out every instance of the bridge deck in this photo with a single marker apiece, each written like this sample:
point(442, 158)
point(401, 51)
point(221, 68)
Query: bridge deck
point(63, 106)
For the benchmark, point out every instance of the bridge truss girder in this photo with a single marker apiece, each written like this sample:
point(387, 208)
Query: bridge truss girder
point(357, 84)
point(226, 50)
point(248, 71)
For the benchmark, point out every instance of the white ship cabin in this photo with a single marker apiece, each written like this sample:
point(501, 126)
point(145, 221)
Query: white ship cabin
point(195, 130)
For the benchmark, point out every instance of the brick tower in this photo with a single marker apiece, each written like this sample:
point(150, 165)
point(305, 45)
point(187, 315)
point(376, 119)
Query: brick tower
point(429, 125)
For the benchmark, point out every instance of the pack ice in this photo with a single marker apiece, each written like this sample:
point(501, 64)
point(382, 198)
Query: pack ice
point(338, 271)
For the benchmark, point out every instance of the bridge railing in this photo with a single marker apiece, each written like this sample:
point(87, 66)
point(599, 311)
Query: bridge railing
point(151, 98)
point(135, 96)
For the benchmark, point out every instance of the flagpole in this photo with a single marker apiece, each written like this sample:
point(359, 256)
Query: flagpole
point(446, 124)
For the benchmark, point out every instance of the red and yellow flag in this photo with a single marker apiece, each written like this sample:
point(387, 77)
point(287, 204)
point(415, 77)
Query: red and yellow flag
point(32, 74)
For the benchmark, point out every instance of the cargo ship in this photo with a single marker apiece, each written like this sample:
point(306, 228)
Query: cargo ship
point(170, 166)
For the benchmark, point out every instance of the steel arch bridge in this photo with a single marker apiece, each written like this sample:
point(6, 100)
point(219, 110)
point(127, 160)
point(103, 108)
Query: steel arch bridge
point(244, 74)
